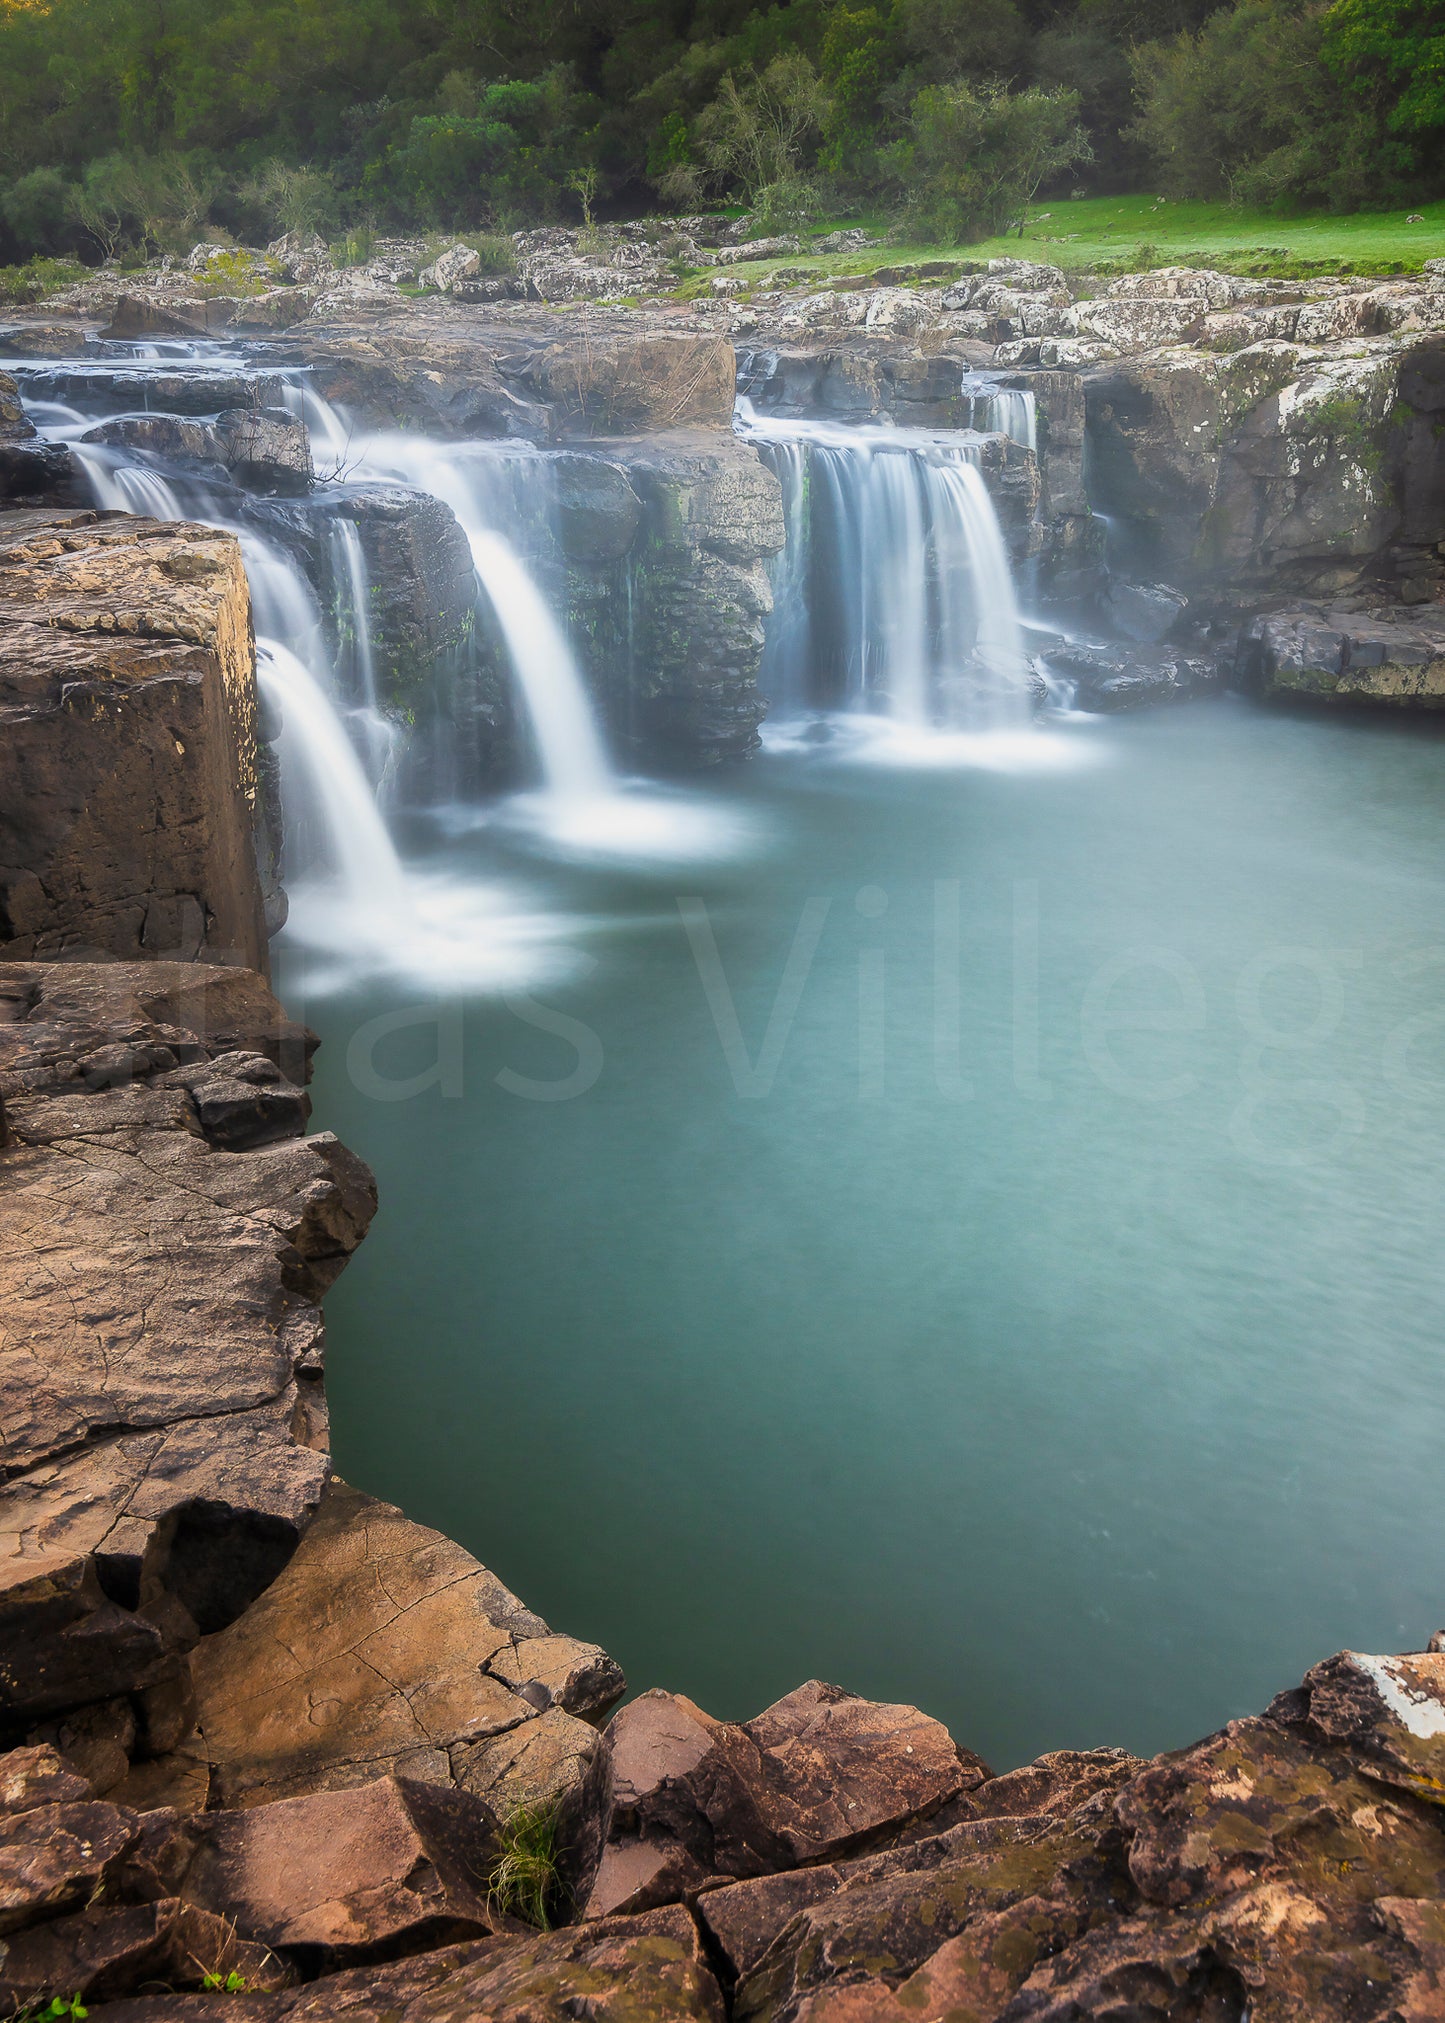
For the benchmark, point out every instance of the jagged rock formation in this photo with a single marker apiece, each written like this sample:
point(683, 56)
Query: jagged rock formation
point(128, 782)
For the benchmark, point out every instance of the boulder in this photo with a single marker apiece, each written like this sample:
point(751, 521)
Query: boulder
point(1260, 1802)
point(1386, 1713)
point(1144, 612)
point(1113, 678)
point(1392, 658)
point(776, 248)
point(1137, 323)
point(629, 1970)
point(107, 1952)
point(302, 256)
point(898, 312)
point(338, 1877)
point(458, 263)
point(15, 426)
point(819, 1774)
point(421, 585)
point(126, 809)
point(383, 1647)
point(598, 512)
point(267, 447)
point(56, 1857)
point(176, 438)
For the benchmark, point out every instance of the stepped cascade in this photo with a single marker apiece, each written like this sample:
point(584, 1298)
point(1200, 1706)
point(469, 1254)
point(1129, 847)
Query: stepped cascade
point(894, 594)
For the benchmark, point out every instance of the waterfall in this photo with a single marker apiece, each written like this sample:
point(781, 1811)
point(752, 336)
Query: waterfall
point(346, 552)
point(575, 766)
point(125, 487)
point(1001, 410)
point(325, 783)
point(896, 589)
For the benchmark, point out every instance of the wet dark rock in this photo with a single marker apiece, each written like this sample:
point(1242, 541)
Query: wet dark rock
point(15, 425)
point(1144, 612)
point(1392, 658)
point(266, 447)
point(1110, 678)
point(598, 512)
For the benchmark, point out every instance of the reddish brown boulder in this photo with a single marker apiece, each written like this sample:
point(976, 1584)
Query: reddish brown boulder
point(103, 1952)
point(818, 1774)
point(57, 1856)
point(687, 1801)
point(841, 1771)
point(1257, 1801)
point(343, 1876)
point(159, 1334)
point(38, 1776)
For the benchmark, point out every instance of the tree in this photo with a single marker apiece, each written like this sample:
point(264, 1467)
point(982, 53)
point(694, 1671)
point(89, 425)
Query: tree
point(977, 156)
point(1247, 108)
point(755, 135)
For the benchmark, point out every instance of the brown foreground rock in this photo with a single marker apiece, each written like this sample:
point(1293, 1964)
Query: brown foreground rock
point(384, 1647)
point(127, 741)
point(165, 1236)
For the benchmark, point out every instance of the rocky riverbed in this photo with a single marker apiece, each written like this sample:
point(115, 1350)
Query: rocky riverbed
point(271, 1747)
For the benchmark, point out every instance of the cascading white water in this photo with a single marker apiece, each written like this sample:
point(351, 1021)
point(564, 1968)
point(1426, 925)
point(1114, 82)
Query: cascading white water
point(1001, 410)
point(574, 761)
point(347, 553)
point(898, 581)
point(121, 486)
point(326, 782)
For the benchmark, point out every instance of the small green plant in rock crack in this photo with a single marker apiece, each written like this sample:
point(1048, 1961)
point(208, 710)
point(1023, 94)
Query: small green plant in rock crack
point(59, 2009)
point(525, 1878)
point(226, 1984)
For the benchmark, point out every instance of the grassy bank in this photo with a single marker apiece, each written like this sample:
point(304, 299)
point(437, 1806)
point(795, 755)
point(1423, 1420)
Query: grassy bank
point(1127, 234)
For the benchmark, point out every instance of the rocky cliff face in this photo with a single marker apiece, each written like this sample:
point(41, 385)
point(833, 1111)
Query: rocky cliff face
point(128, 781)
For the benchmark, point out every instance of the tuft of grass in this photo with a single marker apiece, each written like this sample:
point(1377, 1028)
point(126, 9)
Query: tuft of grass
point(495, 251)
point(356, 248)
point(525, 1879)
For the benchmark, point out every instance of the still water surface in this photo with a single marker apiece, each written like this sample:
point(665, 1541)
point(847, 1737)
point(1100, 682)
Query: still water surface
point(1044, 1329)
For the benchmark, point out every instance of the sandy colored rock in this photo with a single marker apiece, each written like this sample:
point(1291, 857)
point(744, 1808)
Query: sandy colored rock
point(128, 776)
point(374, 1651)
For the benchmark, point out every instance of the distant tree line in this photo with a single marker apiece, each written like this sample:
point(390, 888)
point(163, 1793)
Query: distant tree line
point(133, 126)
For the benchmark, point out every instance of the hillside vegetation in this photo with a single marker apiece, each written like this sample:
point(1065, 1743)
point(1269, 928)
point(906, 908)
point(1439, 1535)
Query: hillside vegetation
point(133, 126)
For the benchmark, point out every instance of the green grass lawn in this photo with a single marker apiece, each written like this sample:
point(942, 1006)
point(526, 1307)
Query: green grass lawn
point(1127, 234)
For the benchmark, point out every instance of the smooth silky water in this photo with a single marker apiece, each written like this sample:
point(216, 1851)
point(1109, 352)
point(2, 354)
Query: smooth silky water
point(1044, 1329)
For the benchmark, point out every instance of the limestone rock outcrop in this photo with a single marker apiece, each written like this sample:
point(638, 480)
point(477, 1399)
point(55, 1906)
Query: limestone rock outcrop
point(128, 776)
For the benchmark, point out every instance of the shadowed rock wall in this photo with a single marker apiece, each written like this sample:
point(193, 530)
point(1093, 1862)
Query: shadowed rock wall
point(128, 780)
